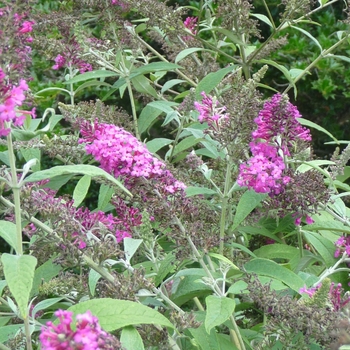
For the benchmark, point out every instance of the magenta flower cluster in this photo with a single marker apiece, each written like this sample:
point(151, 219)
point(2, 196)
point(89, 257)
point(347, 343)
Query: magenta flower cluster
point(211, 112)
point(124, 156)
point(343, 245)
point(11, 97)
point(264, 170)
point(277, 129)
point(279, 119)
point(87, 336)
point(190, 23)
point(119, 152)
point(89, 222)
point(335, 295)
point(71, 61)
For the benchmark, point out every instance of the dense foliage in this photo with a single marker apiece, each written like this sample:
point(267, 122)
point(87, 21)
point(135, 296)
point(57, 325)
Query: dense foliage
point(159, 185)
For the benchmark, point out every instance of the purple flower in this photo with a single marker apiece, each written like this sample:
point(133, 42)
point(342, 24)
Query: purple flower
point(264, 171)
point(87, 336)
point(119, 152)
point(124, 156)
point(342, 244)
point(210, 112)
point(279, 118)
point(335, 295)
point(60, 61)
point(309, 291)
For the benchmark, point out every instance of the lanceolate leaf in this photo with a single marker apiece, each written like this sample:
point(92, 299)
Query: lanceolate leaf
point(74, 169)
point(19, 274)
point(81, 190)
point(219, 309)
point(269, 268)
point(131, 339)
point(248, 202)
point(8, 233)
point(114, 314)
point(209, 82)
point(92, 75)
point(324, 247)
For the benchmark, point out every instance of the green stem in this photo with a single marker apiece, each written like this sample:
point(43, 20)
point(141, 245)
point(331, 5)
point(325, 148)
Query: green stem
point(190, 81)
point(269, 14)
point(300, 242)
point(16, 195)
point(4, 347)
point(198, 304)
point(71, 88)
point(224, 205)
point(133, 108)
point(237, 338)
point(323, 54)
point(160, 294)
point(27, 332)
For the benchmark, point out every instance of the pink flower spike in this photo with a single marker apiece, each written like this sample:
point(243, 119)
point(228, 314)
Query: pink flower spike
point(297, 221)
point(27, 26)
point(309, 220)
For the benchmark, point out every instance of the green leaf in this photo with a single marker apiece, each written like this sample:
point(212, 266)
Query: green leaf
point(166, 266)
point(219, 310)
point(224, 259)
point(323, 246)
point(276, 251)
point(248, 202)
point(329, 226)
point(209, 341)
point(341, 57)
point(57, 182)
point(164, 106)
point(83, 169)
point(44, 304)
point(44, 273)
point(170, 83)
point(269, 268)
point(19, 274)
point(261, 231)
point(284, 70)
point(239, 287)
point(9, 233)
point(130, 339)
point(32, 153)
point(229, 34)
point(130, 247)
point(187, 287)
point(91, 83)
point(141, 84)
point(309, 36)
point(156, 144)
point(313, 125)
point(3, 284)
point(81, 190)
point(307, 165)
point(147, 117)
point(9, 332)
point(243, 248)
point(263, 18)
point(186, 52)
point(195, 191)
point(104, 196)
point(153, 67)
point(94, 276)
point(185, 144)
point(114, 314)
point(4, 157)
point(92, 75)
point(210, 81)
